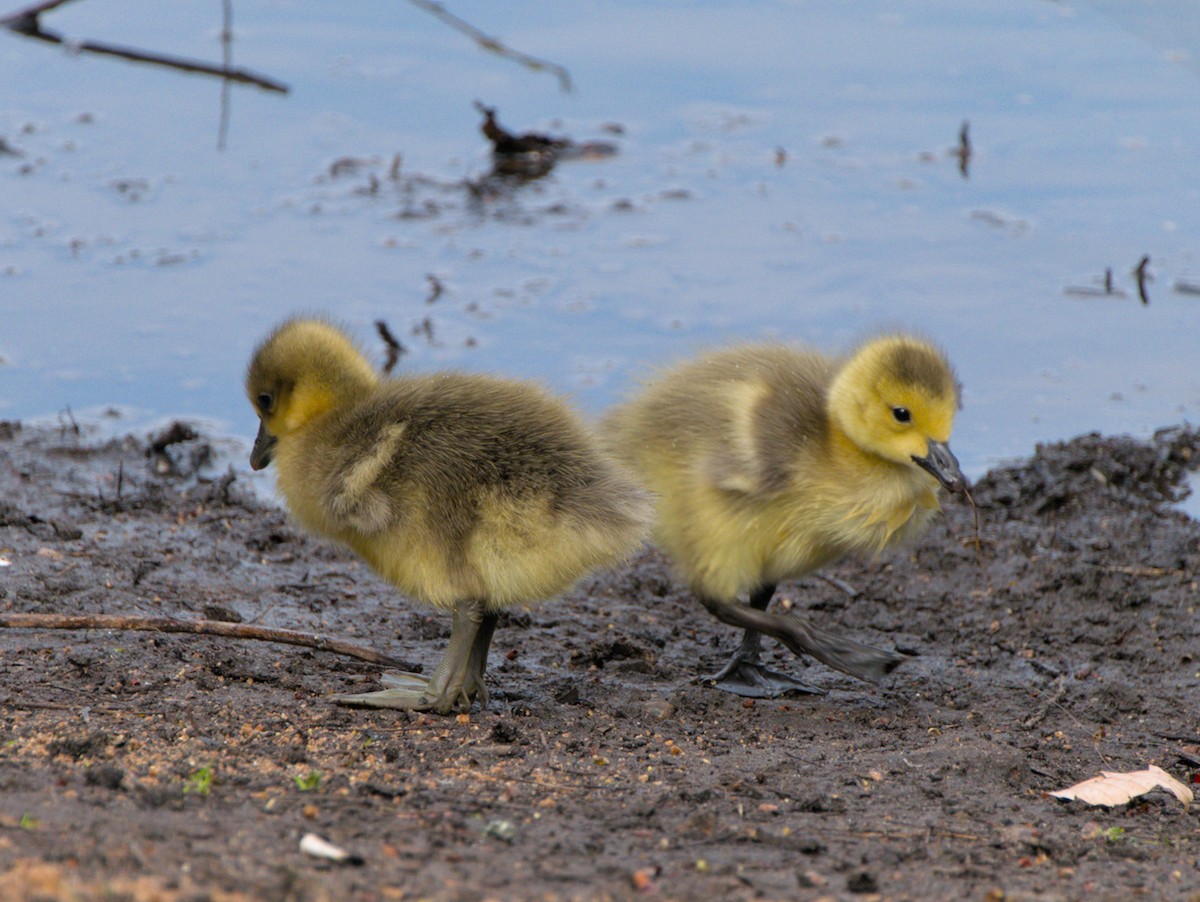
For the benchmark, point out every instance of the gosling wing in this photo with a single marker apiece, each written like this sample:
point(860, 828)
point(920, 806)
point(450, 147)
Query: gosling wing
point(774, 417)
point(355, 490)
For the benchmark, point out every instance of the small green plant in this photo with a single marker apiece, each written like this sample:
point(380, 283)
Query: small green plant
point(1113, 834)
point(29, 822)
point(199, 781)
point(308, 782)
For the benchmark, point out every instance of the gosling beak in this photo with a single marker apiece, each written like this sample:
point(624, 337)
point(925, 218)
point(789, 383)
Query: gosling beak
point(942, 466)
point(264, 449)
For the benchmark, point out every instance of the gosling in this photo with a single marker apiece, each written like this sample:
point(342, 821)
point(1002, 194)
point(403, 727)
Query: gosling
point(769, 462)
point(467, 492)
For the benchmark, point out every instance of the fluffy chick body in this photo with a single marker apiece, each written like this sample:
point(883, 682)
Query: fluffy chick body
point(459, 489)
point(458, 486)
point(769, 462)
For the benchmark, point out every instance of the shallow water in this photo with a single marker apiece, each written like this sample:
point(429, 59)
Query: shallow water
point(784, 171)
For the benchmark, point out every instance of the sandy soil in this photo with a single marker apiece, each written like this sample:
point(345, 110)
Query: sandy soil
point(146, 766)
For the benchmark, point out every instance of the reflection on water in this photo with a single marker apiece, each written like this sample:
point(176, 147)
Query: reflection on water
point(785, 170)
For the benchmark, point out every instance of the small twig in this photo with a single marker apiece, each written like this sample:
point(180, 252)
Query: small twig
point(202, 627)
point(226, 64)
point(435, 288)
point(1106, 290)
point(1038, 716)
point(58, 706)
point(62, 427)
point(964, 152)
point(1134, 570)
point(931, 831)
point(1142, 277)
point(975, 513)
point(394, 348)
point(1175, 737)
point(492, 44)
point(541, 783)
point(424, 327)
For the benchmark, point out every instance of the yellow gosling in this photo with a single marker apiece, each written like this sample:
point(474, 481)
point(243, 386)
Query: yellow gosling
point(769, 462)
point(467, 492)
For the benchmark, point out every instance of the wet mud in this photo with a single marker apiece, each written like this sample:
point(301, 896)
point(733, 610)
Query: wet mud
point(180, 767)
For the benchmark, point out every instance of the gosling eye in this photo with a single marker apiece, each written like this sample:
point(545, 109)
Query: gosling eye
point(265, 402)
point(902, 414)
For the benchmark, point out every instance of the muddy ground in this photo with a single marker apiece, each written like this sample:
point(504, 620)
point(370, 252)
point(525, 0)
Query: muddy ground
point(151, 766)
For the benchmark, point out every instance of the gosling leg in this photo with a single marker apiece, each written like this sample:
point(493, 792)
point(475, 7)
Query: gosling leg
point(746, 675)
point(858, 660)
point(457, 678)
point(473, 684)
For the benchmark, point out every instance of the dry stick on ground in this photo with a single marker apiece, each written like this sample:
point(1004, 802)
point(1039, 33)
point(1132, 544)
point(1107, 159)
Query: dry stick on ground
point(1039, 715)
point(26, 22)
point(489, 43)
point(203, 627)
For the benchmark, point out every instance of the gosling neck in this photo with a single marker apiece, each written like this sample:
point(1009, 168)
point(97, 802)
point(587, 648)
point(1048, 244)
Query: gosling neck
point(853, 456)
point(315, 394)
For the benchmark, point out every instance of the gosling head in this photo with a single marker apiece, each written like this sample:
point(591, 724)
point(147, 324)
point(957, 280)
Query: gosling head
point(896, 397)
point(303, 369)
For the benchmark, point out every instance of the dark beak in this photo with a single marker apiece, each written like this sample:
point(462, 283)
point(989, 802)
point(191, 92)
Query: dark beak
point(264, 449)
point(942, 466)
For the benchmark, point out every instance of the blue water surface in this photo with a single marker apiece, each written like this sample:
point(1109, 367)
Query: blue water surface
point(784, 171)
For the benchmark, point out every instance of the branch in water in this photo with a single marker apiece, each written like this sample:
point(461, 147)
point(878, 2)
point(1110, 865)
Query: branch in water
point(487, 42)
point(26, 22)
point(394, 348)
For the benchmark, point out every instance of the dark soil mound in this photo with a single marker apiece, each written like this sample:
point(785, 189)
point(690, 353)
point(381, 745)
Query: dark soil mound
point(143, 766)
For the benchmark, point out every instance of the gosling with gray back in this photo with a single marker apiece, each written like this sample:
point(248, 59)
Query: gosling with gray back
point(469, 493)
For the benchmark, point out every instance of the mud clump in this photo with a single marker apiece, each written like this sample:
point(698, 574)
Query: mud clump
point(603, 766)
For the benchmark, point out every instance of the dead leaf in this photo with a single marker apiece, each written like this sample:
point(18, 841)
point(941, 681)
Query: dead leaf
point(1113, 788)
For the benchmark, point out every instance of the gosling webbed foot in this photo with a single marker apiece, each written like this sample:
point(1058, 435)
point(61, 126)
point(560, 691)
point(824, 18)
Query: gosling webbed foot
point(753, 679)
point(747, 676)
point(413, 692)
point(406, 691)
point(400, 679)
point(457, 679)
point(412, 698)
point(797, 634)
